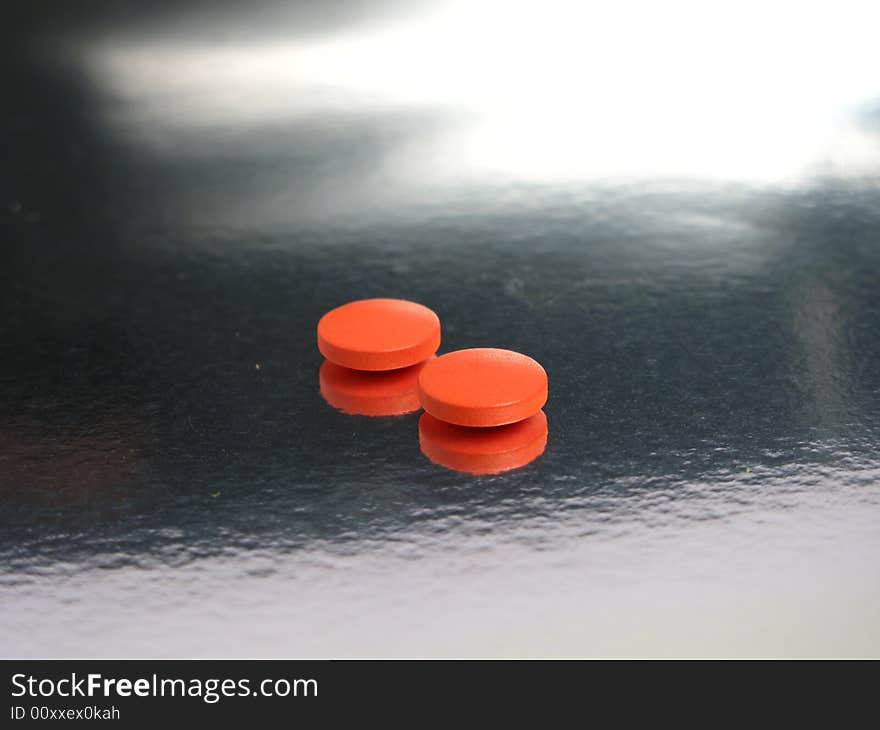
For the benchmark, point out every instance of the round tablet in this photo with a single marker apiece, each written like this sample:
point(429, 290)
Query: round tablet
point(363, 393)
point(483, 450)
point(379, 334)
point(483, 387)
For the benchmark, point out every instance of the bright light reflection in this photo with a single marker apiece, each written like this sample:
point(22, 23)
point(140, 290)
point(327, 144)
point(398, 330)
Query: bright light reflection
point(559, 89)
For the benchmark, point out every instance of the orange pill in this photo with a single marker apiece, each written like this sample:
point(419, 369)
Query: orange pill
point(379, 334)
point(483, 450)
point(364, 393)
point(483, 387)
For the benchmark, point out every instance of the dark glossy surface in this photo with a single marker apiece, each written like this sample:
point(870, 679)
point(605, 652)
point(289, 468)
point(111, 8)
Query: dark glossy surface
point(172, 483)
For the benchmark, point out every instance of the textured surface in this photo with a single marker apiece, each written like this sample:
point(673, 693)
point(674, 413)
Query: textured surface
point(172, 483)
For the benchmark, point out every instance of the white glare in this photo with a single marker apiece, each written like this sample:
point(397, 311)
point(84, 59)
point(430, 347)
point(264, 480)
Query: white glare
point(550, 90)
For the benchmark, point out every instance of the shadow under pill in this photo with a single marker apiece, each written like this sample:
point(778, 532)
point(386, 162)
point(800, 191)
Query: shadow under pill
point(483, 450)
point(371, 393)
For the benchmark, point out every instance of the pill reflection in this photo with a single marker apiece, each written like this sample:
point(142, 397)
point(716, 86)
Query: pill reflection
point(483, 450)
point(370, 393)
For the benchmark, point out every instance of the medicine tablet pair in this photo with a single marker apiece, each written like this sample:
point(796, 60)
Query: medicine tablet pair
point(483, 406)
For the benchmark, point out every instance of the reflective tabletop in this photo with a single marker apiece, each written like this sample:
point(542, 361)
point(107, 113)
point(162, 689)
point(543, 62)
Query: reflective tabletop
point(676, 212)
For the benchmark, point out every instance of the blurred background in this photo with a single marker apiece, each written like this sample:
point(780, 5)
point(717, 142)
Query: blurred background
point(674, 207)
